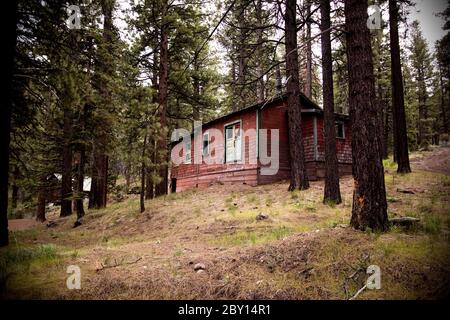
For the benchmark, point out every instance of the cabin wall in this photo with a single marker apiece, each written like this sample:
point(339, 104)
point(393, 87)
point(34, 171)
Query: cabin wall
point(343, 147)
point(276, 118)
point(245, 171)
point(249, 169)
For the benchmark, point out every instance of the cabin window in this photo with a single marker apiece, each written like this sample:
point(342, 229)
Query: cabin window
point(233, 142)
point(206, 144)
point(340, 130)
point(187, 148)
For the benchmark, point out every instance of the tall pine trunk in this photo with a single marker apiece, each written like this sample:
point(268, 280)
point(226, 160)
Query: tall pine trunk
point(308, 84)
point(259, 41)
point(15, 188)
point(422, 98)
point(332, 192)
point(369, 196)
point(161, 188)
point(442, 101)
point(299, 178)
point(143, 173)
point(99, 186)
point(66, 180)
point(401, 141)
point(80, 181)
point(42, 191)
point(9, 17)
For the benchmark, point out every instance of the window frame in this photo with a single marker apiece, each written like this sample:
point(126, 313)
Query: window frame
point(337, 123)
point(225, 126)
point(188, 151)
point(206, 134)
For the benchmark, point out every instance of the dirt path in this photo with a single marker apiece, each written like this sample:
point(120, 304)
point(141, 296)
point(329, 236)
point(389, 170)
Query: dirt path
point(437, 160)
point(21, 224)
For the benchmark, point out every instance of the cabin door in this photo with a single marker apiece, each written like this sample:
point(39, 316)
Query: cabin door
point(233, 142)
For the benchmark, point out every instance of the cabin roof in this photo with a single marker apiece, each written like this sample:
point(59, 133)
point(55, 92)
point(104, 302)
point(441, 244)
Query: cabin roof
point(312, 107)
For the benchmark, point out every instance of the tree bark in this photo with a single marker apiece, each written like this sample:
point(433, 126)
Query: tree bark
point(99, 185)
point(369, 196)
point(80, 181)
point(149, 186)
point(9, 18)
point(299, 178)
point(143, 172)
point(422, 98)
point(308, 84)
point(259, 41)
point(15, 188)
point(386, 130)
point(332, 191)
point(234, 95)
point(401, 143)
point(161, 188)
point(42, 191)
point(442, 101)
point(241, 100)
point(66, 180)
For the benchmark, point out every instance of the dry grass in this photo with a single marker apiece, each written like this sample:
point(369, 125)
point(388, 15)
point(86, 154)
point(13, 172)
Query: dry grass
point(304, 250)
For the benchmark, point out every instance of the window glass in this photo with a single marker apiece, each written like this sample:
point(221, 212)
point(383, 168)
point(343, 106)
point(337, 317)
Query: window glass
point(188, 151)
point(340, 133)
point(205, 144)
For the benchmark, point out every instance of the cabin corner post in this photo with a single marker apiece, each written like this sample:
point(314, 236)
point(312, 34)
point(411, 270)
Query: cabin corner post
point(315, 138)
point(258, 120)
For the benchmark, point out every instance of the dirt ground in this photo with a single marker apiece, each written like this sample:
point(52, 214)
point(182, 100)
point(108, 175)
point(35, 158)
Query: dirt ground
point(209, 244)
point(434, 161)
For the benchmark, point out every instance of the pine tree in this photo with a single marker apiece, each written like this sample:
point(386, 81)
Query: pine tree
point(331, 191)
point(401, 141)
point(10, 11)
point(299, 178)
point(369, 208)
point(421, 64)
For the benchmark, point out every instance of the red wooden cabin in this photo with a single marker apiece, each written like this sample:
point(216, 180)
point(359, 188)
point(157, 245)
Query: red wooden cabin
point(238, 153)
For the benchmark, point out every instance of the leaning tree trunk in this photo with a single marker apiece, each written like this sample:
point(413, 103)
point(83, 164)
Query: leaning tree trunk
point(299, 178)
point(369, 196)
point(10, 15)
point(401, 142)
point(331, 192)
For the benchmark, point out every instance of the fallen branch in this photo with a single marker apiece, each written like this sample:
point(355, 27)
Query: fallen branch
point(359, 291)
point(117, 264)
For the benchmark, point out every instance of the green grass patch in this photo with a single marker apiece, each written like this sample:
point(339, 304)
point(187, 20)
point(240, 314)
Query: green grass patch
point(246, 238)
point(16, 260)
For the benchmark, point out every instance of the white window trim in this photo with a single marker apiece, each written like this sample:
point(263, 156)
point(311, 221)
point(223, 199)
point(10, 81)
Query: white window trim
point(225, 140)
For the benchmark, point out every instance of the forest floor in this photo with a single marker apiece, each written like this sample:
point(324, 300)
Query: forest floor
point(302, 250)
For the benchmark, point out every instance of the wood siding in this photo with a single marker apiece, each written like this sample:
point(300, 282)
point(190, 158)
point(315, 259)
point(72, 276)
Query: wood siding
point(248, 170)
